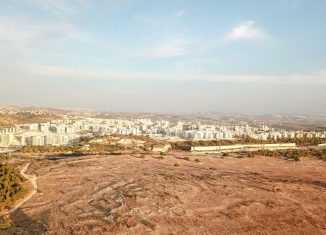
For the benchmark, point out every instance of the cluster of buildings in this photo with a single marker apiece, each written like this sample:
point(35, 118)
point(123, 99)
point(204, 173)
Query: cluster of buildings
point(64, 132)
point(38, 134)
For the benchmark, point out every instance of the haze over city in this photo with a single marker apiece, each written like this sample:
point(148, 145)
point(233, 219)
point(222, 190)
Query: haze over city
point(165, 56)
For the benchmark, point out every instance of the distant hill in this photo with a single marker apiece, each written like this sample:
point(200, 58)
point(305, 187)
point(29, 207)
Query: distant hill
point(10, 115)
point(7, 120)
point(65, 111)
point(278, 121)
point(9, 109)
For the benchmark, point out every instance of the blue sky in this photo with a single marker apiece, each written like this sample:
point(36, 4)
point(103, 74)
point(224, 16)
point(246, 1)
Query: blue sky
point(165, 56)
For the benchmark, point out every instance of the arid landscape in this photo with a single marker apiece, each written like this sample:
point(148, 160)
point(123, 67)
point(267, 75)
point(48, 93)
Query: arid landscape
point(162, 117)
point(173, 194)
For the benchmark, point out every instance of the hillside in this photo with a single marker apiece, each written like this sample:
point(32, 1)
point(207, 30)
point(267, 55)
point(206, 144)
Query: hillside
point(7, 119)
point(10, 186)
point(174, 194)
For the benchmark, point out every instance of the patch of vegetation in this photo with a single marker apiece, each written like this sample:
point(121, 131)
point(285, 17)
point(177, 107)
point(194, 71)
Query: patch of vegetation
point(11, 188)
point(5, 226)
point(249, 154)
point(46, 149)
point(183, 145)
point(97, 146)
point(291, 154)
point(319, 153)
point(186, 145)
point(75, 149)
point(186, 158)
point(197, 160)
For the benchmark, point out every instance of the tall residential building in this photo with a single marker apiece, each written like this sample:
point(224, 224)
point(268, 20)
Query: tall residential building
point(7, 139)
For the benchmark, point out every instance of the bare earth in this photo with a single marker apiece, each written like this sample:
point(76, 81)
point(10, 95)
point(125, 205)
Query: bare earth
point(131, 195)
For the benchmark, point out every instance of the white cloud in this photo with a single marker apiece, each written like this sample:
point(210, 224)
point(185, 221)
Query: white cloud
point(247, 30)
point(23, 33)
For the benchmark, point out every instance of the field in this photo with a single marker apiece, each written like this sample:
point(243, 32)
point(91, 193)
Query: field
point(135, 194)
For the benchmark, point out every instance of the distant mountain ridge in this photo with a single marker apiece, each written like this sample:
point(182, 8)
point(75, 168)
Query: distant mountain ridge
point(279, 121)
point(8, 109)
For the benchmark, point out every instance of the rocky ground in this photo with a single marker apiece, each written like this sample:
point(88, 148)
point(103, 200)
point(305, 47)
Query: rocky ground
point(131, 194)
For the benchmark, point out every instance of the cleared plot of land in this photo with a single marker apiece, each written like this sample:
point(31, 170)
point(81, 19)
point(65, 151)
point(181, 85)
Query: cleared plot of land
point(132, 195)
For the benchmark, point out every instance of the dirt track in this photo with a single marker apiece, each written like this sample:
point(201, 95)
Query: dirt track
point(32, 179)
point(130, 195)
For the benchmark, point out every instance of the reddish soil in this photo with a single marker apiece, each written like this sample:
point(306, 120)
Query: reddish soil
point(132, 195)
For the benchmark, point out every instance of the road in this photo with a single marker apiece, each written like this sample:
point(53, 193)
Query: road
point(33, 180)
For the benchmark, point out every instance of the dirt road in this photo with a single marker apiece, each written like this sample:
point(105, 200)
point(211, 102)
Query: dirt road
point(33, 180)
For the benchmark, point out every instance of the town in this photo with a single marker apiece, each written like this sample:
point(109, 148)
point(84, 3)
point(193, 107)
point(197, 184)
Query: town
point(69, 131)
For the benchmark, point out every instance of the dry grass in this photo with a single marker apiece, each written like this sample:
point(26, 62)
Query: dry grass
point(5, 226)
point(130, 195)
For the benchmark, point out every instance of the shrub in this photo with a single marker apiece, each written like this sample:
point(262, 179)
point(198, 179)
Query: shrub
point(4, 226)
point(296, 158)
point(250, 155)
point(183, 146)
point(10, 186)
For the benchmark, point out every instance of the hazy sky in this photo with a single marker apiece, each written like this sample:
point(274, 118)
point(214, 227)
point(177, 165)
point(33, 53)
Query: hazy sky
point(165, 56)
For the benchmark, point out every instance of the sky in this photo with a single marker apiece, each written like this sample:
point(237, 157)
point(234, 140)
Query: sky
point(254, 57)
